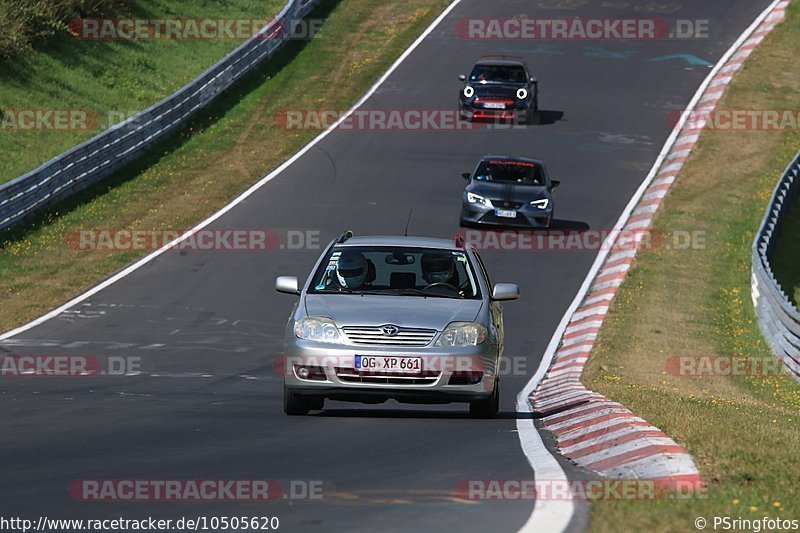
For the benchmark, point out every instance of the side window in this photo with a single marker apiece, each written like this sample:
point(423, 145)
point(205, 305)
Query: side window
point(483, 270)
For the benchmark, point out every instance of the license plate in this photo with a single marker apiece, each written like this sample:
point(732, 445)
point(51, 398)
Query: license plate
point(494, 105)
point(382, 363)
point(505, 213)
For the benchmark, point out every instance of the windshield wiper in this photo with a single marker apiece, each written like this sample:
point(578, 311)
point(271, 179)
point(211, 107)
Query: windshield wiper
point(340, 290)
point(410, 292)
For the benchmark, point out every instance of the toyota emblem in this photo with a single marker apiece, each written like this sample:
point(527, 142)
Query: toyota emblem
point(390, 331)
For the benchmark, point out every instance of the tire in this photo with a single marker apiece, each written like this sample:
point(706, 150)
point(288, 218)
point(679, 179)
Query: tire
point(294, 404)
point(488, 407)
point(535, 117)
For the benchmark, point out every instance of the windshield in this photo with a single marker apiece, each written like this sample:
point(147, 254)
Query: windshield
point(400, 271)
point(498, 74)
point(518, 172)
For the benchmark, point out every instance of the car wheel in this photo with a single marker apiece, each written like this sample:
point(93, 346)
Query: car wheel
point(294, 404)
point(535, 117)
point(488, 407)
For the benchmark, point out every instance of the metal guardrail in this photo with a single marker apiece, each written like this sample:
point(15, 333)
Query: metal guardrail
point(97, 158)
point(778, 318)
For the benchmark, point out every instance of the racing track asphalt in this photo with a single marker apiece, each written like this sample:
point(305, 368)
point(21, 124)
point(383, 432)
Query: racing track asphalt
point(210, 323)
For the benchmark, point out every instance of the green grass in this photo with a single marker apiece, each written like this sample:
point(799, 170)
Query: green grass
point(785, 259)
point(113, 78)
point(223, 151)
point(743, 432)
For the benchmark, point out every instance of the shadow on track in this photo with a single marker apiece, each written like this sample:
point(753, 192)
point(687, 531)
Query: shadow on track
point(407, 413)
point(546, 118)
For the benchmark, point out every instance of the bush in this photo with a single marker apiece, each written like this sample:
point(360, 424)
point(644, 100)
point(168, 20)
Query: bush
point(26, 21)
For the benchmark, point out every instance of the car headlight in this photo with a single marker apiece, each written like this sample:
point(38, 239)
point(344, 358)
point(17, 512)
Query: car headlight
point(478, 199)
point(541, 204)
point(319, 329)
point(522, 93)
point(469, 91)
point(462, 334)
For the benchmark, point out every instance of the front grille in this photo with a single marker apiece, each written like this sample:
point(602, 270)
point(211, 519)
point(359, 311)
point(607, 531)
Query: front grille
point(373, 335)
point(504, 204)
point(349, 375)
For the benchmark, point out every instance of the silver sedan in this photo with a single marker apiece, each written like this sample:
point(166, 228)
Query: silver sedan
point(406, 318)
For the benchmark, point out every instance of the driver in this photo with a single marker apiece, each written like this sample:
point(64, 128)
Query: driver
point(351, 270)
point(439, 268)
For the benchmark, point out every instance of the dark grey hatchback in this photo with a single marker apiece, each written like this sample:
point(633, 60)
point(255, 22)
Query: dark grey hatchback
point(508, 191)
point(499, 88)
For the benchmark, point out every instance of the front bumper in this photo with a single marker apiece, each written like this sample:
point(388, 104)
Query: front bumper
point(494, 114)
point(449, 374)
point(527, 217)
point(519, 110)
point(469, 112)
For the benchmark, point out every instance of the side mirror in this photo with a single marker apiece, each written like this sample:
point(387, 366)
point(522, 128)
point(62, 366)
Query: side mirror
point(462, 77)
point(534, 80)
point(505, 291)
point(287, 284)
point(466, 175)
point(554, 184)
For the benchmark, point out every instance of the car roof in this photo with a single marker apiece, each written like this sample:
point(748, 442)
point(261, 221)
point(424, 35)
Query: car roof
point(500, 60)
point(390, 240)
point(497, 157)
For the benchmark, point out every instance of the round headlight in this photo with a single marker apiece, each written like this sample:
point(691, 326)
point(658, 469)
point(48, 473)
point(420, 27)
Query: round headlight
point(522, 93)
point(469, 91)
